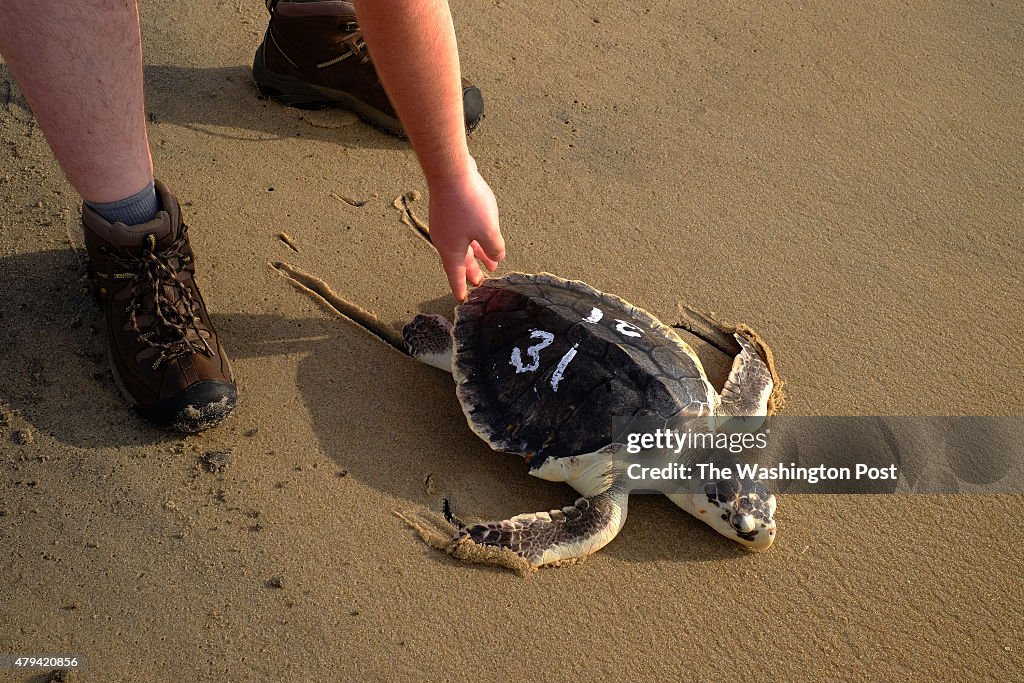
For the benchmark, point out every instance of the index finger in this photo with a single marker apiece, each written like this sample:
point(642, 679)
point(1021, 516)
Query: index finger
point(455, 269)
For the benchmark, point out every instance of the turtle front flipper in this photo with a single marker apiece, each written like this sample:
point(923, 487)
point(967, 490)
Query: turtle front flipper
point(749, 386)
point(429, 338)
point(543, 538)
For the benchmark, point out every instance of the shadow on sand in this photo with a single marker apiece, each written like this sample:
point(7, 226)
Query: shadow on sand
point(402, 422)
point(223, 102)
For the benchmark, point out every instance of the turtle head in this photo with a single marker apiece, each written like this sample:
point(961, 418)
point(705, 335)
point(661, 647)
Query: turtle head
point(742, 510)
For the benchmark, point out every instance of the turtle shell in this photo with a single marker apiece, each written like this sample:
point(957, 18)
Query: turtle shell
point(546, 366)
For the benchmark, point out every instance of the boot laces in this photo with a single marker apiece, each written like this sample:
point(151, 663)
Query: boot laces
point(355, 42)
point(154, 280)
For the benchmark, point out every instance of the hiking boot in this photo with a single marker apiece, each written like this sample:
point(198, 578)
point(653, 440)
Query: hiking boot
point(313, 55)
point(164, 353)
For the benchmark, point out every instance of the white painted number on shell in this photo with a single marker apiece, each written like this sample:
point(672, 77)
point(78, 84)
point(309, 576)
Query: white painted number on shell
point(627, 329)
point(546, 339)
point(562, 365)
point(532, 351)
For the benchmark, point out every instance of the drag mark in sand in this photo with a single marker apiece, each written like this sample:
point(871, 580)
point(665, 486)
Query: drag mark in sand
point(348, 200)
point(321, 292)
point(436, 534)
point(404, 204)
point(286, 238)
point(720, 336)
point(707, 329)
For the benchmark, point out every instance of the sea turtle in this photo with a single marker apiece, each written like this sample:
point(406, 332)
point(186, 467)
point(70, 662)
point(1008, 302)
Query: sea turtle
point(543, 366)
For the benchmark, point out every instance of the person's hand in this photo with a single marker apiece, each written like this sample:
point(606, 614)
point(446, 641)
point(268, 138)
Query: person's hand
point(464, 228)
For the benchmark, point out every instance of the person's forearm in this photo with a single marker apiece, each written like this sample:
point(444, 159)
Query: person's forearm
point(412, 43)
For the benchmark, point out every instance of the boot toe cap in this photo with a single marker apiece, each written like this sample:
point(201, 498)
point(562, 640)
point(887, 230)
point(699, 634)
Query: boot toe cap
point(201, 406)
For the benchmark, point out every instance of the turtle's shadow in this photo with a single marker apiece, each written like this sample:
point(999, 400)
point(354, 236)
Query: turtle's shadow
point(393, 423)
point(394, 400)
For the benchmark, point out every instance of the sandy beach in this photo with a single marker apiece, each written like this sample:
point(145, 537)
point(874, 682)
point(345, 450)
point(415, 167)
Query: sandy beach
point(845, 179)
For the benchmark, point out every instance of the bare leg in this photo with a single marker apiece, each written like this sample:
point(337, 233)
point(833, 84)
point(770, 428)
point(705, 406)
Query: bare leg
point(79, 64)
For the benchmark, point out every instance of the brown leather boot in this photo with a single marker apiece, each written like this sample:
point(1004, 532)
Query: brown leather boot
point(164, 352)
point(313, 55)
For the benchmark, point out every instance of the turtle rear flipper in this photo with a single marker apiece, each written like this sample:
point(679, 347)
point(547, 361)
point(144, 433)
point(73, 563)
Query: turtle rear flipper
point(542, 538)
point(749, 386)
point(429, 338)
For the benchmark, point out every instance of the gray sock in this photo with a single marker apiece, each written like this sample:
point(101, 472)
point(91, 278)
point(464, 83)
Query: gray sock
point(141, 207)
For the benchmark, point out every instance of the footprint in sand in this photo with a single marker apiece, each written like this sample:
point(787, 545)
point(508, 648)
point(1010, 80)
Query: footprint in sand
point(13, 103)
point(330, 119)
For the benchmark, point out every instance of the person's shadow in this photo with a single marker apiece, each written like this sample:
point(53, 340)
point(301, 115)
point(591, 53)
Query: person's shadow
point(223, 102)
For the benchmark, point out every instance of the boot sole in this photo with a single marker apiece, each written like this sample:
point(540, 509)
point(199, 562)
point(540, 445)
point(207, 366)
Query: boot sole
point(295, 93)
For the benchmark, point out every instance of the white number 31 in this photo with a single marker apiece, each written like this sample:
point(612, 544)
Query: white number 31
point(546, 339)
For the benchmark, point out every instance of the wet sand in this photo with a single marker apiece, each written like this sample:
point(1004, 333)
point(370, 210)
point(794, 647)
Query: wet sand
point(847, 181)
